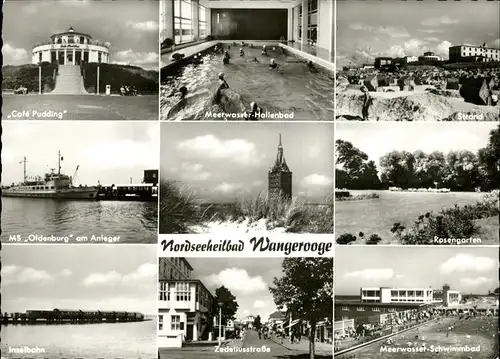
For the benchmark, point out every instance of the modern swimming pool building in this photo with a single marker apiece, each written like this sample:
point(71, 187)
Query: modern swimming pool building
point(298, 23)
point(71, 48)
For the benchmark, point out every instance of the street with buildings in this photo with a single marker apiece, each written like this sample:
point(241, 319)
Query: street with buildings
point(251, 341)
point(189, 317)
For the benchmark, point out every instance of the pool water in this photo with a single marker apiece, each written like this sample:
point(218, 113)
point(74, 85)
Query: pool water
point(294, 88)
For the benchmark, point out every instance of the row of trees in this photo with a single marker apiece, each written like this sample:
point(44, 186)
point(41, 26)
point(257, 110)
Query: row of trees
point(458, 170)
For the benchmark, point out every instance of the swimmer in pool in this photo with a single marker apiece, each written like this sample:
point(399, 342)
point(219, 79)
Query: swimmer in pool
point(183, 91)
point(255, 110)
point(222, 86)
point(197, 59)
point(242, 53)
point(273, 65)
point(225, 59)
point(264, 51)
point(255, 59)
point(311, 67)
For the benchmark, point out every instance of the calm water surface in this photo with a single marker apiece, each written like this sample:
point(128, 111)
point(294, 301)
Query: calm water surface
point(86, 341)
point(134, 222)
point(294, 88)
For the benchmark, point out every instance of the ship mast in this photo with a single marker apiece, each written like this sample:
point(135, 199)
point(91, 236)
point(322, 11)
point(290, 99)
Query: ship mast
point(24, 161)
point(58, 163)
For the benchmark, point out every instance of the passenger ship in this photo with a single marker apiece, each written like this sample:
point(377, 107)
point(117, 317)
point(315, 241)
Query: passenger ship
point(52, 185)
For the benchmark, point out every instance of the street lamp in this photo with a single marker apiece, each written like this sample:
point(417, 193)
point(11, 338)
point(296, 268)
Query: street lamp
point(97, 84)
point(220, 322)
point(39, 78)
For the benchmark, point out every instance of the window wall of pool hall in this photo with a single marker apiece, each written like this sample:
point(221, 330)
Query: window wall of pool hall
point(247, 60)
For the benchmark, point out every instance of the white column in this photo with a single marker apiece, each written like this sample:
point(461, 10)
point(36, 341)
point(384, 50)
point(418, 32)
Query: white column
point(81, 57)
point(74, 53)
point(296, 34)
point(57, 56)
point(65, 55)
point(169, 19)
point(305, 22)
point(195, 329)
point(195, 16)
point(208, 17)
point(289, 36)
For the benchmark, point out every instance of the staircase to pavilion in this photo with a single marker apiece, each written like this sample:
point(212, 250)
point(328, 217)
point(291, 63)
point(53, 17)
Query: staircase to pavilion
point(69, 81)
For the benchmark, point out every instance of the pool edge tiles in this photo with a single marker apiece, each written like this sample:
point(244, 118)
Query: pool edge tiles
point(330, 66)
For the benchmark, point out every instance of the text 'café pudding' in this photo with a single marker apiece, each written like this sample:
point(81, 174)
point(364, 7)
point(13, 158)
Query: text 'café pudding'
point(71, 48)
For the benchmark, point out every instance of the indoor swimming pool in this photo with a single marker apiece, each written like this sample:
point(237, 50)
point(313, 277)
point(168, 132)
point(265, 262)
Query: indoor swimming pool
point(294, 87)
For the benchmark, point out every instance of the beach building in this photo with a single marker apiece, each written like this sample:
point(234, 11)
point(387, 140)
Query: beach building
point(466, 53)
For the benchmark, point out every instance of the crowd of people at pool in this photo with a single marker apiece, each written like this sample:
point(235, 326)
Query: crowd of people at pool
point(365, 331)
point(255, 111)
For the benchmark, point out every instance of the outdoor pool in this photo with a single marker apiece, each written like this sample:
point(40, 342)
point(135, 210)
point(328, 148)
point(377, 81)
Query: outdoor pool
point(294, 88)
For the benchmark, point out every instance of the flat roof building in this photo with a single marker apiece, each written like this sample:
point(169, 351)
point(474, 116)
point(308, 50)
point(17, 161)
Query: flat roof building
point(373, 313)
point(444, 296)
point(466, 53)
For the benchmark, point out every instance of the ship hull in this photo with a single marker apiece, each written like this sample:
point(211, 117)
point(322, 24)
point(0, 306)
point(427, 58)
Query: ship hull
point(128, 198)
point(77, 193)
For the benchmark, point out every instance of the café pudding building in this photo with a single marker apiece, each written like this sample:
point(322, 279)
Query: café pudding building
point(71, 48)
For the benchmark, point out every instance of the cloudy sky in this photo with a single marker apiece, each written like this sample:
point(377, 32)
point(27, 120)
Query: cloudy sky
point(247, 278)
point(377, 139)
point(222, 160)
point(367, 29)
point(109, 152)
point(120, 278)
point(471, 270)
point(130, 26)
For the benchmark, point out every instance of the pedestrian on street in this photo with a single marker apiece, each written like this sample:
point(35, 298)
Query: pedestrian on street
point(260, 334)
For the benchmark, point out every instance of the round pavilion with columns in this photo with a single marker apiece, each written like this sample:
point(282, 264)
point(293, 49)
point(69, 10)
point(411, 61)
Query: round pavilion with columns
point(71, 48)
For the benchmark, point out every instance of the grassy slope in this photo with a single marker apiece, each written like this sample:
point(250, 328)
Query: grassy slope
point(27, 76)
point(145, 81)
point(115, 75)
